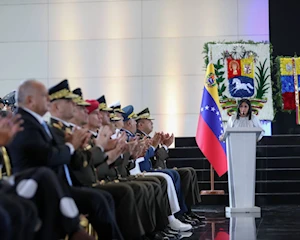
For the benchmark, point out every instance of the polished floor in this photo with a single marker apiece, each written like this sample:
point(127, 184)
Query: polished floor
point(274, 223)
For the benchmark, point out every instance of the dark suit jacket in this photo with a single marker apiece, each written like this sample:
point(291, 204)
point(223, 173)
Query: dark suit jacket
point(34, 148)
point(83, 162)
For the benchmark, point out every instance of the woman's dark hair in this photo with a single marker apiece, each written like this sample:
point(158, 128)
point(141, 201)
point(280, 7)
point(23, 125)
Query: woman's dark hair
point(249, 113)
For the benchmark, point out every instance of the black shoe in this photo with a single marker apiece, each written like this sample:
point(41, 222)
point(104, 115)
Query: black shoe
point(158, 236)
point(171, 231)
point(195, 222)
point(188, 217)
point(186, 220)
point(169, 235)
point(196, 215)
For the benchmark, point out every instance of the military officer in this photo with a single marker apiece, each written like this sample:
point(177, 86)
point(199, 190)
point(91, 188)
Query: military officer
point(188, 175)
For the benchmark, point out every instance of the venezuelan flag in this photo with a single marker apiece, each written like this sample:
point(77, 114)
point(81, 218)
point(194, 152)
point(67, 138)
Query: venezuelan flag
point(210, 125)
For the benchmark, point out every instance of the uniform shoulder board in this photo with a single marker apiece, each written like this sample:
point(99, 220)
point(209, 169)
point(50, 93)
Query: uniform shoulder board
point(68, 130)
point(56, 125)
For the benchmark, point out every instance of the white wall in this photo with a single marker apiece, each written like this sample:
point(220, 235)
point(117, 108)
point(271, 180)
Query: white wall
point(143, 52)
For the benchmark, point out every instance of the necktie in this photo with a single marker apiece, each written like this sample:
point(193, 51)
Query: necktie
point(45, 126)
point(67, 172)
point(66, 169)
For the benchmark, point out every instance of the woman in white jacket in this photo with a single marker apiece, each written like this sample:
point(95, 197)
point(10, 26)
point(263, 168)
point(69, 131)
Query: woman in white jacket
point(244, 117)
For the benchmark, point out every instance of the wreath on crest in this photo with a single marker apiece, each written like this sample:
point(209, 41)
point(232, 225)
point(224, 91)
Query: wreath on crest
point(248, 76)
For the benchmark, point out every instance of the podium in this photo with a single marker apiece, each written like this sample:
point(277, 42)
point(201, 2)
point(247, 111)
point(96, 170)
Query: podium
point(241, 160)
point(242, 225)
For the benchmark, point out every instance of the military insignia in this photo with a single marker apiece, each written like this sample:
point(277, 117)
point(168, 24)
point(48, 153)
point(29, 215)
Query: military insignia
point(102, 182)
point(56, 125)
point(85, 163)
point(210, 80)
point(88, 147)
point(68, 131)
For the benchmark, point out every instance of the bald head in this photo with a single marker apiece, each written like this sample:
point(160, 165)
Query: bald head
point(26, 88)
point(33, 95)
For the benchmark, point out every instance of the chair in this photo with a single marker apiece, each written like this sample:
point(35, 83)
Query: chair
point(6, 162)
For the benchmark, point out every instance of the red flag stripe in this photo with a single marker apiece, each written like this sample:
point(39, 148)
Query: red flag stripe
point(211, 147)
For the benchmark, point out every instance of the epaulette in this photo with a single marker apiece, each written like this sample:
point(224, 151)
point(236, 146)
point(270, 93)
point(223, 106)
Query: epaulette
point(68, 130)
point(88, 147)
point(59, 125)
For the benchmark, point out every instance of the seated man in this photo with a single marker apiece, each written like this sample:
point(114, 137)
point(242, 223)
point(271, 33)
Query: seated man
point(188, 175)
point(34, 193)
point(130, 129)
point(36, 146)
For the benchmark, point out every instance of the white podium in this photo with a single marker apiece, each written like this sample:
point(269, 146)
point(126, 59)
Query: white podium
point(241, 160)
point(242, 225)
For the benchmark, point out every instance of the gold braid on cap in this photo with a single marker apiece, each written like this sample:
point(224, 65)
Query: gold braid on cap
point(64, 93)
point(143, 116)
point(77, 99)
point(132, 115)
point(102, 106)
point(113, 117)
point(80, 102)
point(118, 110)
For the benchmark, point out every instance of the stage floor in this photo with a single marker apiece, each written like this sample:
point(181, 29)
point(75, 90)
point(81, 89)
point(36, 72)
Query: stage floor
point(280, 222)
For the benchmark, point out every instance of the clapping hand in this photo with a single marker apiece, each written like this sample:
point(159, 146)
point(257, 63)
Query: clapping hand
point(156, 140)
point(103, 138)
point(9, 127)
point(167, 139)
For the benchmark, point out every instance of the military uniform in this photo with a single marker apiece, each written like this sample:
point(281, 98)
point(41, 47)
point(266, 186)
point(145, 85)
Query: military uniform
point(144, 192)
point(188, 175)
point(83, 173)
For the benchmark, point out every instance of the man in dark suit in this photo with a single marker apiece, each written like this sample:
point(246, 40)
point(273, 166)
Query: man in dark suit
point(31, 195)
point(36, 146)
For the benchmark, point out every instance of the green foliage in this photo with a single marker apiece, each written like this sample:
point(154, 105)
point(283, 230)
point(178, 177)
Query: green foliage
point(276, 84)
point(219, 71)
point(261, 78)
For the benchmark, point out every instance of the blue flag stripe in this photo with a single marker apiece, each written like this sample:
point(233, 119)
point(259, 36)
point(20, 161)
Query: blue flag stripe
point(212, 115)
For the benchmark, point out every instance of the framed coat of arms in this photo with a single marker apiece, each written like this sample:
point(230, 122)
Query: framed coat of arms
point(242, 71)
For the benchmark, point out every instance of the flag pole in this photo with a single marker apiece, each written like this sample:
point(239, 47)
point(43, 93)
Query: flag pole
point(212, 178)
point(212, 190)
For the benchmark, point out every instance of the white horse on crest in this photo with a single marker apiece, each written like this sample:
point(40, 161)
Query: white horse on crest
point(241, 86)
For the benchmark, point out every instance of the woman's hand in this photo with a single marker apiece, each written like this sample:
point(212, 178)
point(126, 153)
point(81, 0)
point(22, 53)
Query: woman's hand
point(221, 137)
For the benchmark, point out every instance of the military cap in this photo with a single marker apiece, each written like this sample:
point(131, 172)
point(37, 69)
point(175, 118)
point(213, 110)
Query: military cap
point(145, 114)
point(117, 107)
point(102, 104)
point(79, 100)
point(61, 91)
point(128, 113)
point(10, 98)
point(113, 117)
point(94, 105)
